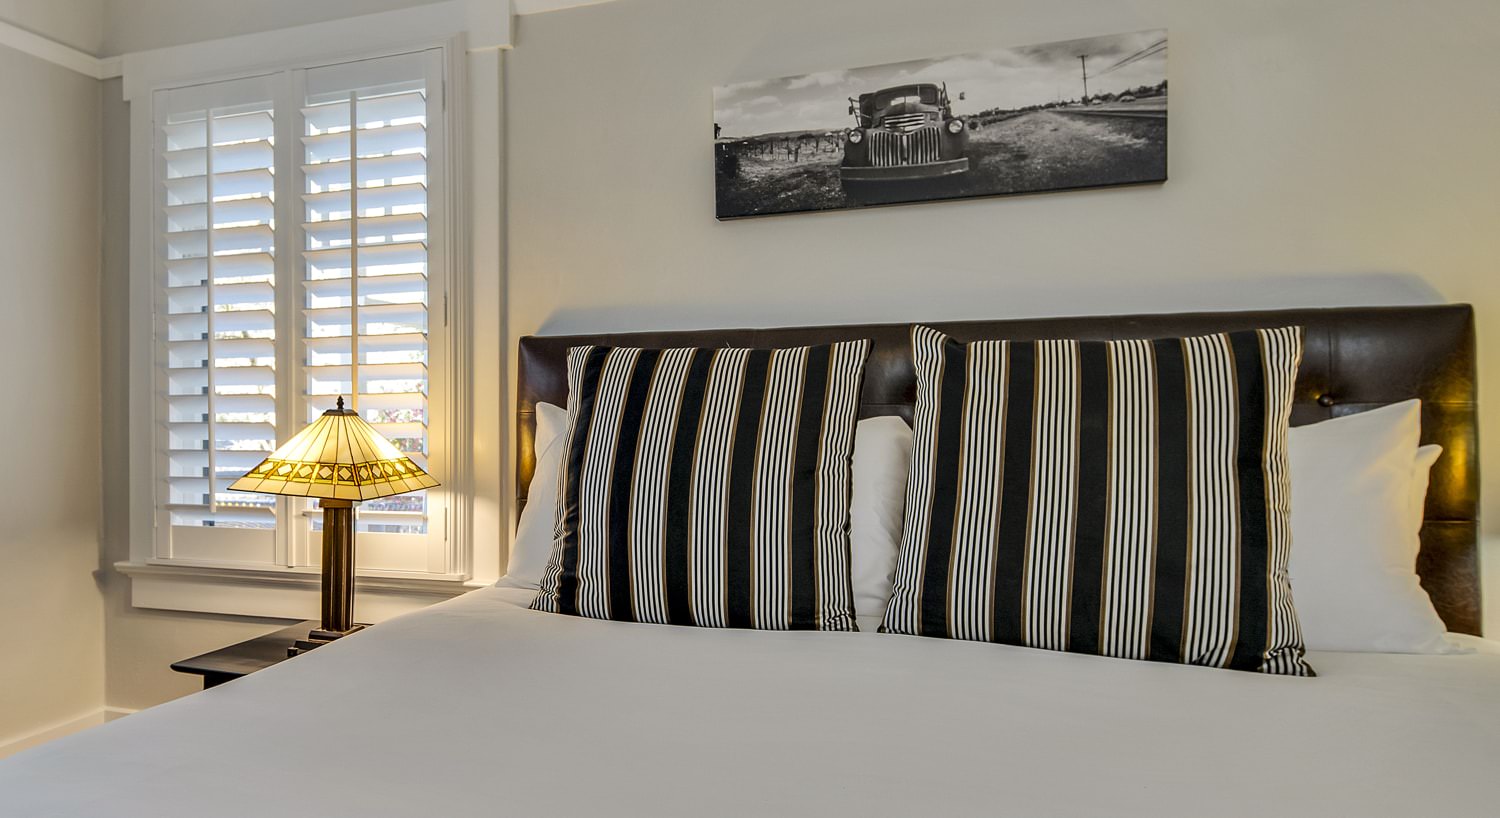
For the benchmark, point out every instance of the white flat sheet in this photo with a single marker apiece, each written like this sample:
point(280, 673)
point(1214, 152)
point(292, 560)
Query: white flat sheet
point(478, 706)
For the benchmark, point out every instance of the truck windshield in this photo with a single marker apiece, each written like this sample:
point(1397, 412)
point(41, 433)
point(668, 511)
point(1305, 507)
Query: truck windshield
point(925, 94)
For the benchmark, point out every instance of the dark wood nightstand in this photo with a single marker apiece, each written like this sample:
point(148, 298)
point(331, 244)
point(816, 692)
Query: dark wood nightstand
point(226, 664)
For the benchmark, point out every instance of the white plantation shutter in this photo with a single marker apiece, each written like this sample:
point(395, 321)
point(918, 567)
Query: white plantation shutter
point(218, 249)
point(298, 263)
point(364, 270)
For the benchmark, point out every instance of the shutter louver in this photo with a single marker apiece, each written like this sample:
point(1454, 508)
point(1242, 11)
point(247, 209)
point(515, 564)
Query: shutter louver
point(217, 248)
point(365, 260)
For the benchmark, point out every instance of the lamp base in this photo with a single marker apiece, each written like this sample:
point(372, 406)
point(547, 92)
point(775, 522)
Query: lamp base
point(318, 637)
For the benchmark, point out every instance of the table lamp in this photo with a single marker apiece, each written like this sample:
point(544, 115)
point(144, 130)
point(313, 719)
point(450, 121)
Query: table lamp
point(341, 460)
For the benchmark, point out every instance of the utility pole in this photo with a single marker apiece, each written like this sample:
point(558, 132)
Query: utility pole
point(1083, 59)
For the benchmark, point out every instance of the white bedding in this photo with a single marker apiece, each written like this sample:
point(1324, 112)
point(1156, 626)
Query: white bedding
point(478, 706)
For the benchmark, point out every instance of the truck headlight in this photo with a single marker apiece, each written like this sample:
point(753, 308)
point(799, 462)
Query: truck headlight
point(955, 126)
point(855, 137)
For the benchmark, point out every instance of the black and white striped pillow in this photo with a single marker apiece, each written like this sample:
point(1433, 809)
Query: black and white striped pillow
point(1120, 498)
point(707, 487)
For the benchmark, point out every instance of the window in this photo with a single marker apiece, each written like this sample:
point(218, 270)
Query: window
point(301, 257)
point(924, 94)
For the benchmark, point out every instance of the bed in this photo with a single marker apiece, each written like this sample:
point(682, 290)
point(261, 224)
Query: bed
point(481, 706)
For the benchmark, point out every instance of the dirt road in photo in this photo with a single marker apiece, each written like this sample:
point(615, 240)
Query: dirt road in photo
point(1048, 150)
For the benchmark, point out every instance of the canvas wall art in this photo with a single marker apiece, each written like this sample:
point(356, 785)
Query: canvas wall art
point(1065, 115)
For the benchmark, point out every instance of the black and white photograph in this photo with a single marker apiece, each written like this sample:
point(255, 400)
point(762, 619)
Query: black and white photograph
point(1074, 114)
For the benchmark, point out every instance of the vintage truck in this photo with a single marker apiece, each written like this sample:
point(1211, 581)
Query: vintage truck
point(902, 135)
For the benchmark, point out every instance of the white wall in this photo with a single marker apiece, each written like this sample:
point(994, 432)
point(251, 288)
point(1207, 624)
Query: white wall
point(1339, 151)
point(1329, 153)
point(51, 647)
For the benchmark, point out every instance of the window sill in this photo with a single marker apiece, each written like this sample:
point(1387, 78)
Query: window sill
point(278, 593)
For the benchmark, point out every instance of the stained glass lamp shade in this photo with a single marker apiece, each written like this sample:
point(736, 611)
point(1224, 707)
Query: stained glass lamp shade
point(338, 457)
point(341, 460)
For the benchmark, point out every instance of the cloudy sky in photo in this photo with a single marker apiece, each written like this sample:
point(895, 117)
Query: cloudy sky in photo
point(1003, 78)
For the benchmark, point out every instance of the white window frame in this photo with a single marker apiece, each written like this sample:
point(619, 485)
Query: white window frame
point(285, 590)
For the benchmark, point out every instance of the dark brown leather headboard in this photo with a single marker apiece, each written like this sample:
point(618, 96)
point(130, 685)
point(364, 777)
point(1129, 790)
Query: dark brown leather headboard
point(1355, 359)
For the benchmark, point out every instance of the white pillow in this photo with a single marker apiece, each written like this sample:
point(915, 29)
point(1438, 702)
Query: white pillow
point(532, 545)
point(1359, 484)
point(1421, 475)
point(882, 457)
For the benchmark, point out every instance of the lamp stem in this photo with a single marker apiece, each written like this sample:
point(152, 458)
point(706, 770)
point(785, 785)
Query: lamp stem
point(338, 565)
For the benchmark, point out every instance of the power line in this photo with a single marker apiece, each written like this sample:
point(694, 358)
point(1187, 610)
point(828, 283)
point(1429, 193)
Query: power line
point(1138, 54)
point(1149, 51)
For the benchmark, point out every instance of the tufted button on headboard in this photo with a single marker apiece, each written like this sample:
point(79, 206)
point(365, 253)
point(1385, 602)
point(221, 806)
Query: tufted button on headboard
point(1354, 359)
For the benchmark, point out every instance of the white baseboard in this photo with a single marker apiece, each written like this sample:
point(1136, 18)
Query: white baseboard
point(93, 718)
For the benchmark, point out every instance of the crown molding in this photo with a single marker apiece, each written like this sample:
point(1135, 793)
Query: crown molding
point(543, 6)
point(487, 31)
point(481, 25)
point(56, 53)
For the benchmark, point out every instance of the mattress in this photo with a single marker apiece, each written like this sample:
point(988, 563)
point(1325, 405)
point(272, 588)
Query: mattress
point(479, 706)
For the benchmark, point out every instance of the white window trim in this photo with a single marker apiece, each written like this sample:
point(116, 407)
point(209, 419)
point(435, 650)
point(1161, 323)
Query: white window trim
point(294, 593)
point(457, 27)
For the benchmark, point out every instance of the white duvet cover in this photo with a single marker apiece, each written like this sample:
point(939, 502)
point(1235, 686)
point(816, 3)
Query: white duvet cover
point(481, 707)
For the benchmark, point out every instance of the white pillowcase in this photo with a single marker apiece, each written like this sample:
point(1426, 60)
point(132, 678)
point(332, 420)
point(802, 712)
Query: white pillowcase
point(882, 456)
point(877, 505)
point(1359, 484)
point(532, 545)
point(1421, 476)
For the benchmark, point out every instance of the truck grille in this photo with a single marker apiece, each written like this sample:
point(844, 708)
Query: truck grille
point(904, 123)
point(889, 150)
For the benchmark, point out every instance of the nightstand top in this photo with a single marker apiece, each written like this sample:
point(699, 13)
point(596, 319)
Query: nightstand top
point(247, 656)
